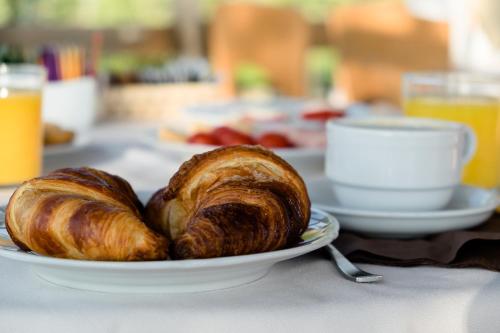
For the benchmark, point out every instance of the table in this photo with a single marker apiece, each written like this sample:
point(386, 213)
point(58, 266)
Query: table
point(304, 294)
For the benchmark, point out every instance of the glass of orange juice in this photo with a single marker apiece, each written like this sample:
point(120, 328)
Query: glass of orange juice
point(470, 98)
point(20, 122)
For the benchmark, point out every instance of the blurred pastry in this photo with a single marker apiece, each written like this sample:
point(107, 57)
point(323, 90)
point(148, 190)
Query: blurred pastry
point(55, 135)
point(170, 135)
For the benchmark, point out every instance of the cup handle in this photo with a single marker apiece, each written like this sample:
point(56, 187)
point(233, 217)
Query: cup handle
point(470, 142)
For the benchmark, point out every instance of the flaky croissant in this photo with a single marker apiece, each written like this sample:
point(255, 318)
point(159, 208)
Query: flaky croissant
point(82, 214)
point(231, 201)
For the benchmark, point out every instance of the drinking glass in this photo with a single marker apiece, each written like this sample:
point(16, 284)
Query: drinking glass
point(20, 122)
point(469, 98)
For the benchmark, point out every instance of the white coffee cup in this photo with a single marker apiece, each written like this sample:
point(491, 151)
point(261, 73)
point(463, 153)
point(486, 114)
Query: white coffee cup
point(396, 163)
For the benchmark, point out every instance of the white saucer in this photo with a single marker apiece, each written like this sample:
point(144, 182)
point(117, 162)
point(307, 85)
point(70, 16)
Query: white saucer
point(169, 275)
point(470, 206)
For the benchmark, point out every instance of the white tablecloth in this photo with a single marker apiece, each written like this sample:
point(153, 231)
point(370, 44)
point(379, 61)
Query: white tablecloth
point(304, 294)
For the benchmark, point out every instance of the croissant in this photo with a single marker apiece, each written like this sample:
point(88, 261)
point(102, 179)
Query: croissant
point(231, 201)
point(82, 213)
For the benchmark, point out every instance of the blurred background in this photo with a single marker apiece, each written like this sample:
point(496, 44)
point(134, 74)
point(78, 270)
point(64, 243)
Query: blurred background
point(188, 66)
point(288, 47)
point(330, 43)
point(295, 48)
point(346, 50)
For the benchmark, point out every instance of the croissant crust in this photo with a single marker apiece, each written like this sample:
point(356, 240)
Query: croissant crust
point(82, 213)
point(231, 201)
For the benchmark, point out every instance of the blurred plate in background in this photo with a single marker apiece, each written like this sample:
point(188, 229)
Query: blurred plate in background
point(307, 161)
point(81, 141)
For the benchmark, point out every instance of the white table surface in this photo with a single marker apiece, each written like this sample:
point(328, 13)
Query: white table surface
point(304, 294)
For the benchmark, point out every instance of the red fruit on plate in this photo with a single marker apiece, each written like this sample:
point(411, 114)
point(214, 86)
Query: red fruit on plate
point(275, 140)
point(204, 139)
point(230, 137)
point(322, 115)
point(223, 131)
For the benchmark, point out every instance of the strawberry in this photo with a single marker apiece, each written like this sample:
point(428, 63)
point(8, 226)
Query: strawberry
point(230, 137)
point(203, 138)
point(322, 115)
point(275, 140)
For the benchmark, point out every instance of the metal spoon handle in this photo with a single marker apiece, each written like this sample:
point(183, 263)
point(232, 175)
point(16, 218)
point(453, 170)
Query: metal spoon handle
point(348, 269)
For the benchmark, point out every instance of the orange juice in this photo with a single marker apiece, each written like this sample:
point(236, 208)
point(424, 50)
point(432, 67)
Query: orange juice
point(20, 136)
point(480, 114)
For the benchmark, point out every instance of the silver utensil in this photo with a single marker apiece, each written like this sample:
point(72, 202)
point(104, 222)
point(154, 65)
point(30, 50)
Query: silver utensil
point(348, 269)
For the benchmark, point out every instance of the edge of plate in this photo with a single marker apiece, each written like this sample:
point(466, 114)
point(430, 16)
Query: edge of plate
point(331, 234)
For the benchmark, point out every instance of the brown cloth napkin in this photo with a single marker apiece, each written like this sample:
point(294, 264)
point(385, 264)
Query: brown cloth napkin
point(478, 247)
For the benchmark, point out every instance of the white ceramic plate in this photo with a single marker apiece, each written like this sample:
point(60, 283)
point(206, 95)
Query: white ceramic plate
point(307, 161)
point(81, 141)
point(169, 275)
point(470, 206)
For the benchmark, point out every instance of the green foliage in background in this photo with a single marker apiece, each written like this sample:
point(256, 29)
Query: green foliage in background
point(321, 62)
point(88, 13)
point(250, 75)
point(126, 62)
point(5, 12)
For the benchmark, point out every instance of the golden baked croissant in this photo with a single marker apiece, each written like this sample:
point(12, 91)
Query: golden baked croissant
point(82, 214)
point(231, 201)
